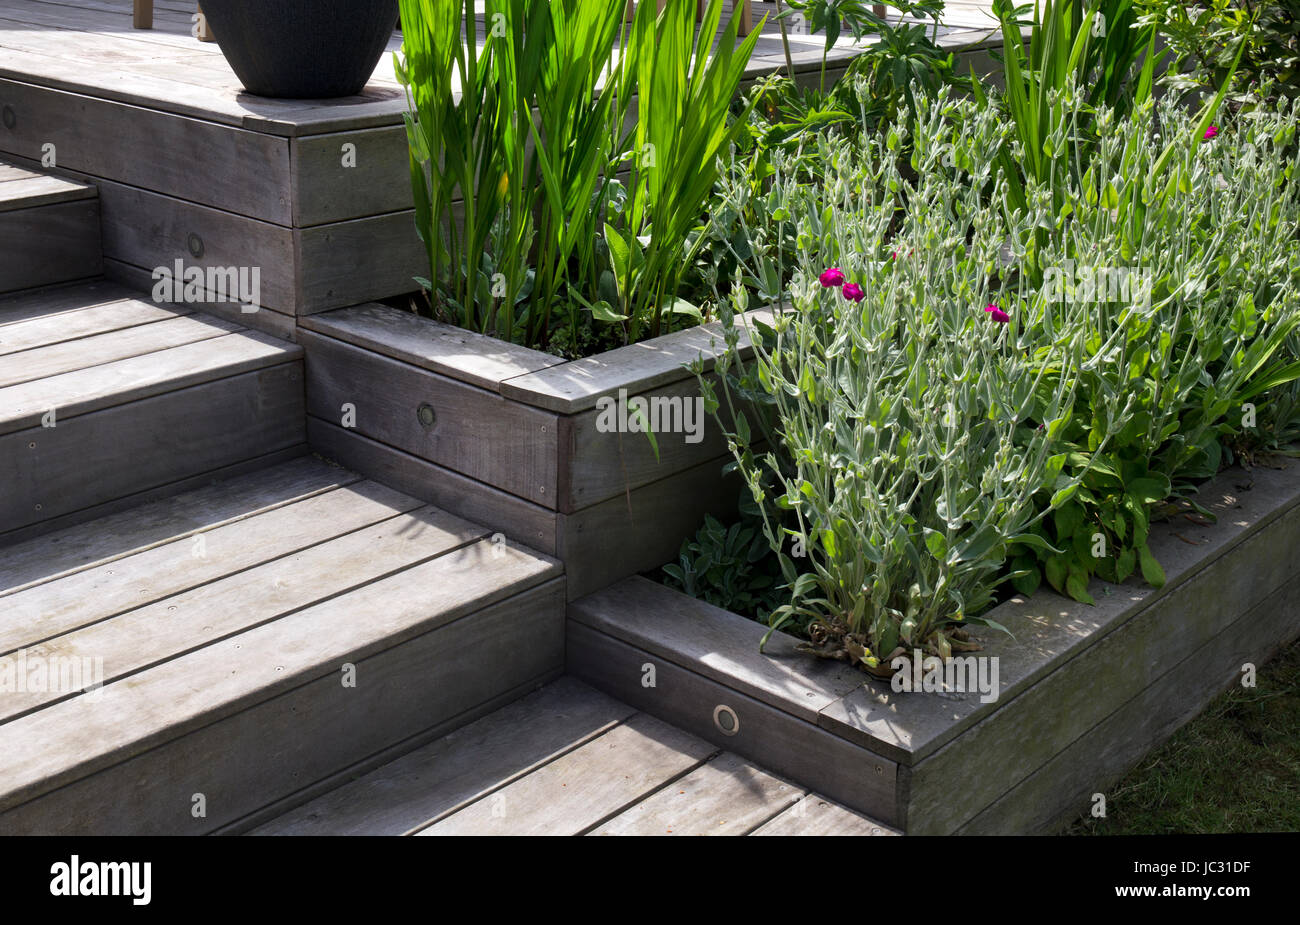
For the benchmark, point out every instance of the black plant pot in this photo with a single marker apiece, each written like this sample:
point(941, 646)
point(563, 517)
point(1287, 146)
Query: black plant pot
point(302, 49)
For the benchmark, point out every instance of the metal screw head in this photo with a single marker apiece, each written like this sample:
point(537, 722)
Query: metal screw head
point(9, 117)
point(426, 415)
point(195, 244)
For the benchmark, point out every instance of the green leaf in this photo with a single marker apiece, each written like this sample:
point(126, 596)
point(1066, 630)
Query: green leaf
point(1151, 570)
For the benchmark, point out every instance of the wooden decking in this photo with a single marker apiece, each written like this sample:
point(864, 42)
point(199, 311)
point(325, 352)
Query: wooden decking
point(568, 760)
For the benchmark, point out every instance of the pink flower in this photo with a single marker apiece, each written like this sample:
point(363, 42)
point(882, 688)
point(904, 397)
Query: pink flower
point(832, 277)
point(894, 255)
point(998, 314)
point(1211, 132)
point(853, 292)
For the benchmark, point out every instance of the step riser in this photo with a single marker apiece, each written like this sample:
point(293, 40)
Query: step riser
point(86, 462)
point(51, 244)
point(283, 746)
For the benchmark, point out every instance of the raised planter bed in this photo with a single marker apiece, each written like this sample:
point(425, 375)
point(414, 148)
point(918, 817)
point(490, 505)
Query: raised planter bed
point(514, 439)
point(1084, 691)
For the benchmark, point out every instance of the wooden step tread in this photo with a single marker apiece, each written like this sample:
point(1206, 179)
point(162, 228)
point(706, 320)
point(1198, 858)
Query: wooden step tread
point(271, 602)
point(569, 760)
point(26, 189)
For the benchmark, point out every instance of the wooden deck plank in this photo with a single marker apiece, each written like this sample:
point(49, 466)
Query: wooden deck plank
point(453, 771)
point(442, 348)
point(31, 192)
point(816, 815)
point(150, 525)
point(170, 627)
point(100, 349)
point(725, 796)
point(47, 330)
point(54, 300)
point(583, 787)
point(136, 378)
point(74, 739)
point(88, 596)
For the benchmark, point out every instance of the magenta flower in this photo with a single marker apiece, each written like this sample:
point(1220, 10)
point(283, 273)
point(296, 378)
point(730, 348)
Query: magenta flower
point(1211, 132)
point(998, 314)
point(853, 292)
point(832, 277)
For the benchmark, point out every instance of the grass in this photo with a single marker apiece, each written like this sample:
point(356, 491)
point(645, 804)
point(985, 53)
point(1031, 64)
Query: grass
point(1233, 769)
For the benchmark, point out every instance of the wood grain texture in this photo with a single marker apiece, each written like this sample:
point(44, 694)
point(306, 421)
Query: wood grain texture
point(724, 796)
point(73, 325)
point(816, 815)
point(32, 192)
point(642, 530)
point(335, 183)
point(440, 777)
point(345, 263)
point(474, 432)
point(158, 522)
point(151, 634)
point(1061, 790)
point(718, 644)
point(88, 390)
point(283, 702)
point(48, 610)
point(189, 159)
point(515, 518)
point(793, 748)
point(65, 297)
point(441, 348)
point(141, 445)
point(49, 244)
point(581, 788)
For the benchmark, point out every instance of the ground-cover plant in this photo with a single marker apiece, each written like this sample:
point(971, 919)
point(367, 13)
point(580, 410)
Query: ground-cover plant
point(729, 567)
point(521, 133)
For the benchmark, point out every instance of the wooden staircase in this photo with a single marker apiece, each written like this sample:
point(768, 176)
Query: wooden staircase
point(49, 230)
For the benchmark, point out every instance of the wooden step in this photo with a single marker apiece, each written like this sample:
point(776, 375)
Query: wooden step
point(49, 230)
point(183, 665)
point(569, 760)
point(107, 399)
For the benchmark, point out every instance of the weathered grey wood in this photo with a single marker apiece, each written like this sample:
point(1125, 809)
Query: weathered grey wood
point(778, 741)
point(279, 696)
point(642, 530)
point(581, 788)
point(724, 796)
point(475, 432)
point(190, 159)
point(99, 349)
point(100, 319)
point(164, 629)
point(268, 320)
point(66, 297)
point(816, 815)
point(1049, 630)
point(49, 244)
point(345, 263)
point(41, 191)
point(598, 462)
point(333, 183)
point(453, 771)
point(718, 644)
point(151, 230)
point(441, 348)
point(134, 447)
point(88, 390)
point(1061, 790)
point(1026, 733)
point(175, 518)
point(576, 386)
point(48, 610)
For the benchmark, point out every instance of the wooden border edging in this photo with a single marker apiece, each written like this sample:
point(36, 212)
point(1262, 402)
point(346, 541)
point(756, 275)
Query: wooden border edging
point(1084, 691)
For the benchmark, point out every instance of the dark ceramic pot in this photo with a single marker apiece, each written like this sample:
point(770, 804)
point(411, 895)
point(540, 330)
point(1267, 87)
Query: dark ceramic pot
point(302, 49)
